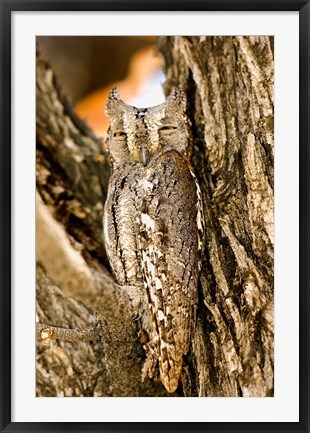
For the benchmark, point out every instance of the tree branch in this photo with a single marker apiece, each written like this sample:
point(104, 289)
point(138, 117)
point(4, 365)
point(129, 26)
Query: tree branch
point(46, 332)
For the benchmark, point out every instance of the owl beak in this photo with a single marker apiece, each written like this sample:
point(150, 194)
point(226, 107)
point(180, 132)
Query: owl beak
point(144, 155)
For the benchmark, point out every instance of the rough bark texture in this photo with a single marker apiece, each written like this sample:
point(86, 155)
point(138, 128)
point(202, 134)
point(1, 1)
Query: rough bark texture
point(229, 83)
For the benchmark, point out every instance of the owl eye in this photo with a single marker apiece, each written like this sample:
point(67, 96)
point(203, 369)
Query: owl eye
point(168, 128)
point(119, 134)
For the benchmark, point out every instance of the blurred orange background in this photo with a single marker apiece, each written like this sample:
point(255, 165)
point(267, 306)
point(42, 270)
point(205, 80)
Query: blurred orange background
point(89, 66)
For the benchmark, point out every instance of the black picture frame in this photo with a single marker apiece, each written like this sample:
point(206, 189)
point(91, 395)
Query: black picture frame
point(7, 7)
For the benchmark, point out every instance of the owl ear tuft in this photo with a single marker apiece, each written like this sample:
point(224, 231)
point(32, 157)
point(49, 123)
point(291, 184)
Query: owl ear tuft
point(113, 103)
point(177, 98)
point(114, 94)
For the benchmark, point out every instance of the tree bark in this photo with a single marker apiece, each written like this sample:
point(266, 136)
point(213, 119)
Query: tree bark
point(229, 83)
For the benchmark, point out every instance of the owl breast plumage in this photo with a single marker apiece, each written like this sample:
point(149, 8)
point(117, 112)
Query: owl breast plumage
point(153, 226)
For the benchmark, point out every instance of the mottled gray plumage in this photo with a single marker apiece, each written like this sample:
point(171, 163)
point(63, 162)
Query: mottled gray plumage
point(153, 226)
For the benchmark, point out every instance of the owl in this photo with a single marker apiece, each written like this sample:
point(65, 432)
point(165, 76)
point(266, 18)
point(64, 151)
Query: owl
point(154, 226)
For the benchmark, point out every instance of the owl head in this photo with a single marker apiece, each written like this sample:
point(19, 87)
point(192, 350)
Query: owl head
point(139, 134)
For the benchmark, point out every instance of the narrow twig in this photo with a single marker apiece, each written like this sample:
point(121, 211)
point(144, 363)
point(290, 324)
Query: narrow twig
point(46, 332)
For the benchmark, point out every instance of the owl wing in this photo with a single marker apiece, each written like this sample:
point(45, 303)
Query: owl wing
point(169, 244)
point(121, 231)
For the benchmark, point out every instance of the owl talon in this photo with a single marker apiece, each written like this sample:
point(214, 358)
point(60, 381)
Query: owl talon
point(136, 317)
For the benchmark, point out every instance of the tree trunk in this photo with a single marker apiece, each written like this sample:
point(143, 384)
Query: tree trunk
point(229, 83)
